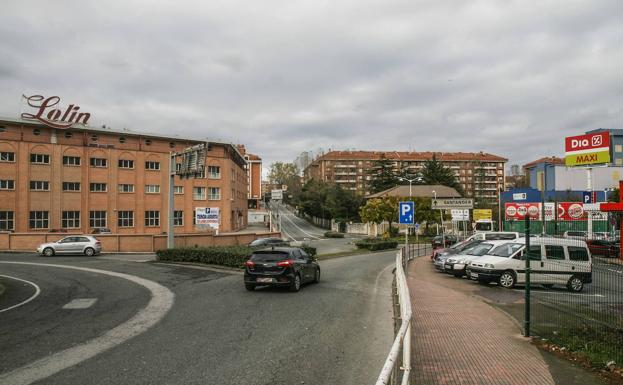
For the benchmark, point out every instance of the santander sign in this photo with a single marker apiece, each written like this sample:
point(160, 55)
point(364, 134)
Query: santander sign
point(49, 114)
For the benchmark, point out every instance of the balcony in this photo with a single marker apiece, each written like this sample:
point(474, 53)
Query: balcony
point(345, 173)
point(345, 181)
point(345, 166)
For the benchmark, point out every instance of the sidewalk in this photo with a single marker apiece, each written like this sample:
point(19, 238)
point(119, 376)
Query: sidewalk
point(458, 339)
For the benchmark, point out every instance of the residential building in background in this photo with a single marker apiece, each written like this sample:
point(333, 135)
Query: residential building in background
point(515, 170)
point(481, 175)
point(616, 144)
point(81, 177)
point(302, 161)
point(254, 178)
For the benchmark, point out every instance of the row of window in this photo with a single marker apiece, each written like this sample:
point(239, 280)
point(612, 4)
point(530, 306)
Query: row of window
point(71, 219)
point(214, 172)
point(199, 193)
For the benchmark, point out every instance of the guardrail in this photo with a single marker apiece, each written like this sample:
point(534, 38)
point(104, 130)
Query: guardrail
point(402, 340)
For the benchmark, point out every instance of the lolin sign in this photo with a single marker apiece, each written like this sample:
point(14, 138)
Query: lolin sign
point(49, 114)
point(587, 149)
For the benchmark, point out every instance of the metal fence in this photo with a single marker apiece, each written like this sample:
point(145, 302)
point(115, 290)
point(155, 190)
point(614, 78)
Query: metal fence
point(397, 367)
point(573, 280)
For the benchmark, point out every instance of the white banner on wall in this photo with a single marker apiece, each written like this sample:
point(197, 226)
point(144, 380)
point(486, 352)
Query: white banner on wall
point(208, 216)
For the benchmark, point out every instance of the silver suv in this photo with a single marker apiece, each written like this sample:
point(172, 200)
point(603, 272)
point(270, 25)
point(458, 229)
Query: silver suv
point(75, 244)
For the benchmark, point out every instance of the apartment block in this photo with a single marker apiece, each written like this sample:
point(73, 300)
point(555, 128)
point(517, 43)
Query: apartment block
point(481, 175)
point(254, 177)
point(82, 177)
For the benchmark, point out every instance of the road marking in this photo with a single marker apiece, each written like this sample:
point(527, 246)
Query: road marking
point(80, 303)
point(37, 292)
point(159, 305)
point(286, 216)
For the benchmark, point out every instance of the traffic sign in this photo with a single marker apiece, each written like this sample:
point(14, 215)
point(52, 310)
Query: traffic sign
point(453, 203)
point(589, 196)
point(405, 212)
point(417, 226)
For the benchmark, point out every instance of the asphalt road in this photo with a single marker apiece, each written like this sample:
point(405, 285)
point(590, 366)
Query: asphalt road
point(335, 332)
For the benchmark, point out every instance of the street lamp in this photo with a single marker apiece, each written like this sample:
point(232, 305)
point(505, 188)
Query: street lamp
point(443, 235)
point(419, 179)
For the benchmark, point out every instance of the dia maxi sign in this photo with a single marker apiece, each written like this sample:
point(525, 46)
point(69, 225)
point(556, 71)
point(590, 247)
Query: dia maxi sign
point(587, 149)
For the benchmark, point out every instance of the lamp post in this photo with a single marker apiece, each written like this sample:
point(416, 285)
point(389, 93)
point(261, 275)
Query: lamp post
point(419, 179)
point(443, 235)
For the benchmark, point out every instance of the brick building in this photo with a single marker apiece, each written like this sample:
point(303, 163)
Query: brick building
point(254, 177)
point(481, 175)
point(83, 177)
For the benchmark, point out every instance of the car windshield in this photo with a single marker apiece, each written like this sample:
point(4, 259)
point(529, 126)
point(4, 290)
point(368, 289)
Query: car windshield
point(506, 250)
point(461, 245)
point(479, 249)
point(270, 256)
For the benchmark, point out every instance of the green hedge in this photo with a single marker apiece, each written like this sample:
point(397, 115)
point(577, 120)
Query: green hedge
point(373, 244)
point(232, 256)
point(333, 234)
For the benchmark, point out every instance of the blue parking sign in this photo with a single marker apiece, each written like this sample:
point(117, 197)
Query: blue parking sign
point(405, 213)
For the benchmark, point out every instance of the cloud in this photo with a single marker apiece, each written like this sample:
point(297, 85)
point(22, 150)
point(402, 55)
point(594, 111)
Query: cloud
point(506, 77)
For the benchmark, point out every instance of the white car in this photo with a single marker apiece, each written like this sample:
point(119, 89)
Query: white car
point(74, 244)
point(456, 264)
point(553, 261)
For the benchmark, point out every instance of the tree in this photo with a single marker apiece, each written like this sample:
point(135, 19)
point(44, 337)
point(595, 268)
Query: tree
point(285, 174)
point(382, 175)
point(434, 172)
point(328, 201)
point(613, 196)
point(378, 210)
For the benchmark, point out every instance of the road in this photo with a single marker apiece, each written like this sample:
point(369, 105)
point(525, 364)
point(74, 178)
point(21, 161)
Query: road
point(214, 331)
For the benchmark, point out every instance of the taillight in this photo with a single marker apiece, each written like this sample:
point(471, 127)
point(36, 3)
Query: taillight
point(286, 263)
point(250, 264)
point(98, 243)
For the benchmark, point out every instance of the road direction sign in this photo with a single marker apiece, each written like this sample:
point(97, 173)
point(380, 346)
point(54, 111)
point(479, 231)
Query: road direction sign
point(453, 203)
point(405, 213)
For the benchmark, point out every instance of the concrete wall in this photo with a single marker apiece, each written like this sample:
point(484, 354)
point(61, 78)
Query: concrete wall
point(131, 242)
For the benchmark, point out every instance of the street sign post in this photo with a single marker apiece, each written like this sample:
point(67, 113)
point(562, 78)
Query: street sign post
point(452, 203)
point(405, 216)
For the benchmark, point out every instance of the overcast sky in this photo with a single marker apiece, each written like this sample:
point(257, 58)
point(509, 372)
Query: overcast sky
point(507, 77)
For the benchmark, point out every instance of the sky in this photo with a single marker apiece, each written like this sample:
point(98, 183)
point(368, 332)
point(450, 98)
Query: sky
point(512, 78)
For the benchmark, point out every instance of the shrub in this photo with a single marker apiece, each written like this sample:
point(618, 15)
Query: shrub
point(333, 234)
point(374, 244)
point(393, 231)
point(231, 256)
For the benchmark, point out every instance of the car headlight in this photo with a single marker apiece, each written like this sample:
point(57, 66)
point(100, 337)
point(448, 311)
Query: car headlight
point(489, 266)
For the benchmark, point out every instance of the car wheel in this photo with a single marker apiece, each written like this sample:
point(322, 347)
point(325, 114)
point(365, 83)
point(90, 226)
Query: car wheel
point(548, 285)
point(249, 287)
point(575, 284)
point(317, 276)
point(48, 252)
point(89, 252)
point(296, 283)
point(507, 280)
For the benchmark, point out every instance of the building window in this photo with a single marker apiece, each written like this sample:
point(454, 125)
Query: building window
point(97, 219)
point(68, 134)
point(214, 172)
point(126, 188)
point(98, 187)
point(7, 184)
point(36, 132)
point(171, 145)
point(152, 218)
point(38, 220)
point(70, 220)
point(199, 193)
point(126, 219)
point(178, 218)
point(71, 186)
point(2, 128)
point(178, 190)
point(71, 160)
point(94, 138)
point(148, 142)
point(126, 163)
point(7, 157)
point(122, 139)
point(152, 189)
point(6, 220)
point(214, 193)
point(99, 162)
point(40, 158)
point(39, 185)
point(152, 165)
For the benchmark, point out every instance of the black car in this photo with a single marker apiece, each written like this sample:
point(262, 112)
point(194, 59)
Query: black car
point(284, 266)
point(268, 242)
point(439, 242)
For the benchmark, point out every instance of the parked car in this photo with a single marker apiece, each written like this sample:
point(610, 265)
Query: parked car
point(438, 241)
point(604, 247)
point(101, 230)
point(264, 242)
point(82, 244)
point(456, 264)
point(284, 266)
point(495, 236)
point(454, 249)
point(552, 262)
point(573, 234)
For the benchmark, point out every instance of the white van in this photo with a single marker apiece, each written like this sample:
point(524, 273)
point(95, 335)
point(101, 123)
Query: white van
point(553, 261)
point(494, 236)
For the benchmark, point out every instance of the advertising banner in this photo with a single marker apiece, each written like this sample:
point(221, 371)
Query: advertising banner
point(480, 214)
point(519, 211)
point(587, 149)
point(571, 211)
point(208, 216)
point(567, 211)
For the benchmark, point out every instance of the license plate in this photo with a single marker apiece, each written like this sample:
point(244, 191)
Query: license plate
point(473, 275)
point(264, 280)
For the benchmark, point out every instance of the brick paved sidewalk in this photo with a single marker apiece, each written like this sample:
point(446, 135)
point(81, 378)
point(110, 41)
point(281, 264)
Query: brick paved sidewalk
point(460, 340)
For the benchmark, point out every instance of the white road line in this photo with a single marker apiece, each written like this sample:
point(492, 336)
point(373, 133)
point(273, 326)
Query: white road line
point(286, 216)
point(37, 292)
point(616, 271)
point(80, 303)
point(160, 303)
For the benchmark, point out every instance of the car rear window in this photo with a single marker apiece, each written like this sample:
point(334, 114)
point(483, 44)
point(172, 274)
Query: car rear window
point(480, 249)
point(554, 252)
point(506, 250)
point(269, 256)
point(577, 253)
point(498, 237)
